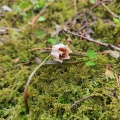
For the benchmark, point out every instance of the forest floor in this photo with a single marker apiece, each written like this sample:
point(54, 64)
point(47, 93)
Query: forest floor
point(85, 87)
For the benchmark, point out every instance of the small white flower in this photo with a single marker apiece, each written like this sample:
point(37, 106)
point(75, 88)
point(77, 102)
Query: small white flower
point(60, 52)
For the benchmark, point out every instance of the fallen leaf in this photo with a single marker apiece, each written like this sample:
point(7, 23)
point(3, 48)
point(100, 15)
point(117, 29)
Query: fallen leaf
point(3, 31)
point(15, 60)
point(118, 79)
point(38, 60)
point(114, 54)
point(6, 8)
point(109, 73)
point(68, 41)
point(41, 19)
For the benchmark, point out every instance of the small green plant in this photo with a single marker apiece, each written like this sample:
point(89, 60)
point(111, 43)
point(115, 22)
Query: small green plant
point(51, 40)
point(40, 33)
point(117, 21)
point(29, 8)
point(92, 1)
point(41, 18)
point(91, 55)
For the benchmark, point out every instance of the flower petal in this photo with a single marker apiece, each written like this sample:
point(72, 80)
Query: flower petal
point(61, 45)
point(55, 54)
point(68, 50)
point(55, 48)
point(56, 59)
point(67, 57)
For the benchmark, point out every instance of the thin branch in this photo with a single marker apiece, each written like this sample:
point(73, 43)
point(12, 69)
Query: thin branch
point(92, 40)
point(75, 4)
point(82, 99)
point(6, 28)
point(85, 98)
point(112, 13)
point(40, 49)
point(3, 69)
point(118, 79)
point(18, 15)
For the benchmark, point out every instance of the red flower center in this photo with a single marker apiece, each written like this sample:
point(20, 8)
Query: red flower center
point(63, 55)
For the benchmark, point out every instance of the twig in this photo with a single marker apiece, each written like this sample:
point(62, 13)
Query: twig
point(92, 40)
point(97, 3)
point(28, 82)
point(18, 15)
point(6, 28)
point(28, 93)
point(39, 14)
point(75, 5)
point(82, 99)
point(3, 69)
point(118, 79)
point(112, 13)
point(40, 49)
point(86, 97)
point(64, 63)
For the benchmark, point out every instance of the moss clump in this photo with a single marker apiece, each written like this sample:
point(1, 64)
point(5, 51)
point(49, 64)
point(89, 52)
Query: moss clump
point(54, 89)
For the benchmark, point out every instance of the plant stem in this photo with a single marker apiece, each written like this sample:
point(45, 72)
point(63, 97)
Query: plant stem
point(28, 82)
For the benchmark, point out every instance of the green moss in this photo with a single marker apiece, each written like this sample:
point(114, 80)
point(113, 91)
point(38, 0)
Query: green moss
point(55, 88)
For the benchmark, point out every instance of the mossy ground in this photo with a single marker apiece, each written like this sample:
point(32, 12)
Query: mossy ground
point(55, 88)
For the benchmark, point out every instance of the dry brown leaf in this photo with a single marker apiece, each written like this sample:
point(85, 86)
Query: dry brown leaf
point(118, 79)
point(3, 31)
point(15, 60)
point(109, 73)
point(38, 60)
point(69, 40)
point(114, 54)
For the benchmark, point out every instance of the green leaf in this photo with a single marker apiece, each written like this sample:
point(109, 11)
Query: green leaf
point(91, 54)
point(52, 41)
point(117, 21)
point(40, 33)
point(89, 63)
point(41, 18)
point(42, 3)
point(92, 1)
point(85, 117)
point(62, 100)
point(85, 59)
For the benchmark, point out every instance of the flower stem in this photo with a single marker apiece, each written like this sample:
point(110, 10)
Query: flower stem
point(28, 82)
